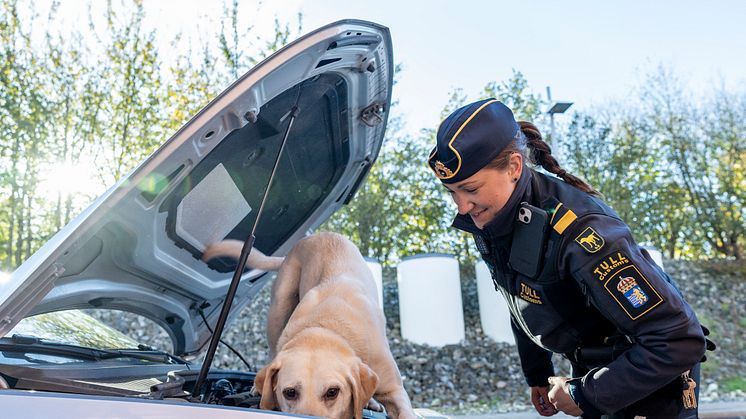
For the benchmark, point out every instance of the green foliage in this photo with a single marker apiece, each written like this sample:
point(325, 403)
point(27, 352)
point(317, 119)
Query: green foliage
point(103, 97)
point(702, 143)
point(734, 383)
point(25, 111)
point(130, 83)
point(402, 209)
point(711, 367)
point(671, 165)
point(515, 93)
point(615, 156)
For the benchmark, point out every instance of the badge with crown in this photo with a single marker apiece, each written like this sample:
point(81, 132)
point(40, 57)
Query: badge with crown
point(634, 294)
point(441, 170)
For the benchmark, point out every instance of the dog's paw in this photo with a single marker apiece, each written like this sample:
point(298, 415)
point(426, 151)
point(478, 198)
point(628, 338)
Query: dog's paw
point(374, 406)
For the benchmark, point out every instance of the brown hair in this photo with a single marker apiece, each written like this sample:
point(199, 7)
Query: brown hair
point(534, 150)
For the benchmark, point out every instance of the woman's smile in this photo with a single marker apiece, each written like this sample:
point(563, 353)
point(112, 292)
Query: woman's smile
point(477, 213)
point(483, 194)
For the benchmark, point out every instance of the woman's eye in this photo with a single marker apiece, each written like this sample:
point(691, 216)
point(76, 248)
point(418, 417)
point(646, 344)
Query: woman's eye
point(332, 393)
point(290, 393)
point(470, 190)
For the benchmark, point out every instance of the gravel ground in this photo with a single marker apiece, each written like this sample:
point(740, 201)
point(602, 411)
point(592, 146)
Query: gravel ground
point(481, 376)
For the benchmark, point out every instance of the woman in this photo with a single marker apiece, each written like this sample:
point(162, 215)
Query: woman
point(575, 281)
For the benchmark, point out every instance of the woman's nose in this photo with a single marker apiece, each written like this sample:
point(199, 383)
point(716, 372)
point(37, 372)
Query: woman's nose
point(463, 205)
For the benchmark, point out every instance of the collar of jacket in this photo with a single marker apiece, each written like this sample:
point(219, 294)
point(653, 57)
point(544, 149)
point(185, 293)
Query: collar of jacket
point(502, 225)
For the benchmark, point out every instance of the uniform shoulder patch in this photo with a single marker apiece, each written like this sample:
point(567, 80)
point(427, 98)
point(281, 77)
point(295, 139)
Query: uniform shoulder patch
point(589, 240)
point(627, 285)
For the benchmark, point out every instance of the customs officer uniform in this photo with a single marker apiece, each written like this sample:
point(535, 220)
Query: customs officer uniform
point(592, 295)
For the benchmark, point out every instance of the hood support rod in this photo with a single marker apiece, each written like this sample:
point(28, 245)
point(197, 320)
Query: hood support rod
point(245, 251)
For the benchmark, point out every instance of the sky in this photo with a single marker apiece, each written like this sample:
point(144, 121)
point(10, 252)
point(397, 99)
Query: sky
point(590, 53)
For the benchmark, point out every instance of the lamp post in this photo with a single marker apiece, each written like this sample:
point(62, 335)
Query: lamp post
point(555, 107)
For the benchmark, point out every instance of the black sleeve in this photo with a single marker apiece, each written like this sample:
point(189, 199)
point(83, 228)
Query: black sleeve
point(632, 292)
point(536, 362)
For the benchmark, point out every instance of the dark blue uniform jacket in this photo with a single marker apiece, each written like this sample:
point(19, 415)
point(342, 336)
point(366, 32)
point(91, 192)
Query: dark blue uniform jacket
point(595, 286)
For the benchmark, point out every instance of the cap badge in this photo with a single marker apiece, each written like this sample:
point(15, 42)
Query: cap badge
point(441, 171)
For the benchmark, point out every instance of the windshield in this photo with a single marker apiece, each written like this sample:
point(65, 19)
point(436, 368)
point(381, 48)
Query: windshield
point(73, 327)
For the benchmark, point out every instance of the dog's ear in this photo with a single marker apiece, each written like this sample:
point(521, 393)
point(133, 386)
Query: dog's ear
point(265, 383)
point(363, 382)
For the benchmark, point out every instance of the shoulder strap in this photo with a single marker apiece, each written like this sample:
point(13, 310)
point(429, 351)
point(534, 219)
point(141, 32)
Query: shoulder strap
point(561, 216)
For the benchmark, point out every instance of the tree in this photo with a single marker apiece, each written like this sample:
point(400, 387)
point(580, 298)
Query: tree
point(129, 79)
point(402, 209)
point(64, 99)
point(515, 94)
point(702, 146)
point(24, 126)
point(613, 153)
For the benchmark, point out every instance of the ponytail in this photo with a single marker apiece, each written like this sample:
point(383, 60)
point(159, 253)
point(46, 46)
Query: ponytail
point(542, 155)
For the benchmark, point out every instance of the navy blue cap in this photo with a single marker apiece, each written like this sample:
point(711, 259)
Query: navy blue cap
point(471, 137)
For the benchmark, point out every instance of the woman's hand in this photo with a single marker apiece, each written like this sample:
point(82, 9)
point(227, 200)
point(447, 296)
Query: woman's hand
point(540, 399)
point(559, 396)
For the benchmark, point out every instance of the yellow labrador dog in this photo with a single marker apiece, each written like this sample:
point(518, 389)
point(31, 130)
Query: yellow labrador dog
point(326, 332)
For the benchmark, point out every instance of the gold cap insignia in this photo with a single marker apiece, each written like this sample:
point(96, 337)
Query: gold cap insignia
point(441, 171)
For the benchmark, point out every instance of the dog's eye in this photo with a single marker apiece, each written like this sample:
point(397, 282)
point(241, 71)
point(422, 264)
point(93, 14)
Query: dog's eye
point(332, 393)
point(290, 393)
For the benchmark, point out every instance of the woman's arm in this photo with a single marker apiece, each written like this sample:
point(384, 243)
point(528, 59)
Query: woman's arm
point(633, 293)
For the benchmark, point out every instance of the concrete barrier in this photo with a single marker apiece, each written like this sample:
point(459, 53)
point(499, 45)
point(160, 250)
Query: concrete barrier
point(430, 307)
point(493, 310)
point(377, 271)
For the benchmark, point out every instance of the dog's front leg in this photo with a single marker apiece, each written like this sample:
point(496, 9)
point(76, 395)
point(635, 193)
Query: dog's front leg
point(283, 301)
point(397, 404)
point(374, 405)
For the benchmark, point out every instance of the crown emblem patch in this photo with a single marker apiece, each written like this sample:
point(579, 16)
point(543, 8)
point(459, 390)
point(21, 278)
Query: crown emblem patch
point(632, 291)
point(636, 296)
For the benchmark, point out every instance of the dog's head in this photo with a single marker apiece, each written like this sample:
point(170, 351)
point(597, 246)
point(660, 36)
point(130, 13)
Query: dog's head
point(317, 383)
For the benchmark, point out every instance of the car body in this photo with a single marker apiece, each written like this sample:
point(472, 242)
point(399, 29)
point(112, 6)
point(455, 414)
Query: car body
point(137, 248)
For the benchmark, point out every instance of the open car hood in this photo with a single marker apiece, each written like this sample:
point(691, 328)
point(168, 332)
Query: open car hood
point(137, 248)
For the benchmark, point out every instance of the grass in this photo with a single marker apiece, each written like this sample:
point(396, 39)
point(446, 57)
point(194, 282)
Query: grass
point(711, 366)
point(734, 383)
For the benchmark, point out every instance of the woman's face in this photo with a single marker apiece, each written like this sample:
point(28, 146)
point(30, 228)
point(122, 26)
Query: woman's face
point(484, 194)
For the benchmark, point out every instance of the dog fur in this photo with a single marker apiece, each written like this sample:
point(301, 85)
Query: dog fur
point(326, 332)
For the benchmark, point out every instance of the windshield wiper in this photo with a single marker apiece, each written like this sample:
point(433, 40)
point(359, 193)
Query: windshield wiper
point(33, 344)
point(148, 354)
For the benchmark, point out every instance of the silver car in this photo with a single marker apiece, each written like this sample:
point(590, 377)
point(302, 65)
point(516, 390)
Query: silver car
point(314, 114)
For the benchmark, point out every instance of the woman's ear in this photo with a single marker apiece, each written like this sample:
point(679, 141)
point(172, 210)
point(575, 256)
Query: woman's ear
point(515, 166)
